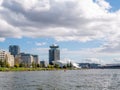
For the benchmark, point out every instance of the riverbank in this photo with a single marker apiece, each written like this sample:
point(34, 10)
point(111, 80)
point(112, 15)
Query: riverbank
point(32, 69)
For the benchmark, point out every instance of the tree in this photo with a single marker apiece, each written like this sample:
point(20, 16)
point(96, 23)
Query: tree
point(1, 63)
point(38, 65)
point(21, 65)
point(56, 66)
point(16, 65)
point(50, 66)
point(68, 65)
point(4, 63)
point(43, 65)
point(65, 66)
point(7, 65)
point(33, 64)
point(17, 60)
point(71, 65)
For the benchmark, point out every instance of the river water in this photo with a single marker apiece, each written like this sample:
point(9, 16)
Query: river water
point(94, 79)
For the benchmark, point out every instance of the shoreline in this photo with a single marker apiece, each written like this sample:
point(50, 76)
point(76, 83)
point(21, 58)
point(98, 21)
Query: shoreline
point(32, 69)
point(42, 69)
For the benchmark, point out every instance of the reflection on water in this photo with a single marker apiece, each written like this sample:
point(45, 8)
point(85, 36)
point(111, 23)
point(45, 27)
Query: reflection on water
point(99, 79)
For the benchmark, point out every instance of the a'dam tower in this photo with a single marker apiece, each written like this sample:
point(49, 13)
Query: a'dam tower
point(54, 53)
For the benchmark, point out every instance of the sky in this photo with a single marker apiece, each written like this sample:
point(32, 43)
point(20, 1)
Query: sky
point(85, 30)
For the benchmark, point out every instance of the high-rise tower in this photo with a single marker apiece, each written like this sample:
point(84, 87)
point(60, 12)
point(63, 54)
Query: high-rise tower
point(54, 53)
point(14, 50)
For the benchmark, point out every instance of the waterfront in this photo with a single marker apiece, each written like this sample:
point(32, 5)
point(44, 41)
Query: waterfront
point(91, 79)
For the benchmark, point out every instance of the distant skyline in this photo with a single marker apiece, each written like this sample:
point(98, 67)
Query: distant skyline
point(85, 30)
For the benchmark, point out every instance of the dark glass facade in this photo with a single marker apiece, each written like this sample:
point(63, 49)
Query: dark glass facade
point(54, 54)
point(14, 50)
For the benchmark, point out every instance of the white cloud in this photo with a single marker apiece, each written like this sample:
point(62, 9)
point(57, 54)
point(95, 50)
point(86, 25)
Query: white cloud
point(63, 20)
point(103, 4)
point(93, 60)
point(117, 60)
point(2, 39)
point(40, 43)
point(50, 18)
point(41, 50)
point(37, 5)
point(7, 30)
point(80, 56)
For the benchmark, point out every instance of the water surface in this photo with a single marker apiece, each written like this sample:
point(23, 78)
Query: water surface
point(95, 79)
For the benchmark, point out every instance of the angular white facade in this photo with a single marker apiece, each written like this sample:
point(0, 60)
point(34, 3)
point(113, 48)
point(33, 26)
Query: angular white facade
point(62, 63)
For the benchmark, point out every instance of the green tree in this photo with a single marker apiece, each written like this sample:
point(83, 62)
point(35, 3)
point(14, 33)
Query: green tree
point(1, 63)
point(56, 66)
point(50, 66)
point(21, 65)
point(16, 65)
point(65, 66)
point(68, 65)
point(43, 65)
point(33, 64)
point(71, 65)
point(5, 62)
point(7, 65)
point(38, 65)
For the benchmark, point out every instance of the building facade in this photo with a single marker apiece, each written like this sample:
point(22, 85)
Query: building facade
point(8, 57)
point(14, 50)
point(36, 59)
point(2, 55)
point(26, 59)
point(43, 63)
point(54, 53)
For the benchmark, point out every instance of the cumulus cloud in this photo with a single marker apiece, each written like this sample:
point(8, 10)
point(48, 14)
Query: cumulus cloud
point(63, 20)
point(92, 60)
point(2, 39)
point(103, 4)
point(117, 59)
point(40, 43)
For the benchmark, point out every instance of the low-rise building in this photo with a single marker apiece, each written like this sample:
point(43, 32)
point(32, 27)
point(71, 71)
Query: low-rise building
point(8, 57)
point(26, 59)
point(2, 55)
point(36, 59)
point(89, 65)
point(43, 63)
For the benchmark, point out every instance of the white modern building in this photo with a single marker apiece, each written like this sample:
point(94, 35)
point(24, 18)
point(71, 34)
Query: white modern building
point(8, 57)
point(62, 63)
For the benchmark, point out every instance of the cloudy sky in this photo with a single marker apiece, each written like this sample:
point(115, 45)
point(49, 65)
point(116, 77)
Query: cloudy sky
point(85, 30)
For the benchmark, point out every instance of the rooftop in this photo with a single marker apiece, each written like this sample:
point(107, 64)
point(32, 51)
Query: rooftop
point(54, 46)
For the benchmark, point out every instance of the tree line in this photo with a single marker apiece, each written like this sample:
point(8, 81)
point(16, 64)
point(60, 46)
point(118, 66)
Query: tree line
point(4, 63)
